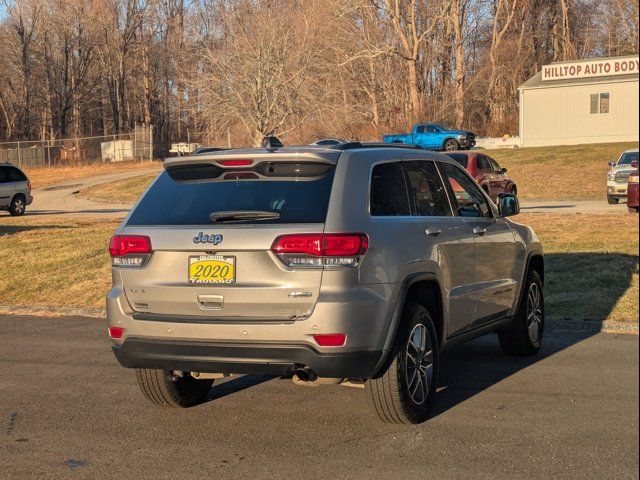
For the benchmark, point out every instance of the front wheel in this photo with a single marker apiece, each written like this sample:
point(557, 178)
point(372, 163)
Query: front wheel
point(524, 336)
point(405, 391)
point(451, 145)
point(162, 388)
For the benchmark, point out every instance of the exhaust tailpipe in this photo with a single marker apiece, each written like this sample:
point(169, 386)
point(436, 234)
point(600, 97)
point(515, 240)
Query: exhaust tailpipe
point(306, 374)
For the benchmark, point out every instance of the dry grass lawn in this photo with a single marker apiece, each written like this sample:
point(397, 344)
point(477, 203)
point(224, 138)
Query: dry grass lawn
point(44, 176)
point(591, 263)
point(54, 261)
point(561, 173)
point(121, 191)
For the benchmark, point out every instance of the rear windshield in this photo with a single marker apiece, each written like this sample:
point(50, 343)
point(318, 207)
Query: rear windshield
point(188, 196)
point(461, 158)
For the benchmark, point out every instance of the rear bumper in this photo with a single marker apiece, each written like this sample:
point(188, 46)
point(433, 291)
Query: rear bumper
point(251, 359)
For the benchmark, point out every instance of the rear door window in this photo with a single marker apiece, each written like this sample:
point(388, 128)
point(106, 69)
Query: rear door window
point(4, 174)
point(484, 164)
point(461, 158)
point(389, 196)
point(426, 192)
point(15, 175)
point(296, 192)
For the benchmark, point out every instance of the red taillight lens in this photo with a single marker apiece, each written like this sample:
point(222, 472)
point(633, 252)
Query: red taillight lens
point(116, 332)
point(330, 339)
point(29, 185)
point(309, 244)
point(344, 245)
point(235, 163)
point(122, 245)
point(319, 245)
point(318, 250)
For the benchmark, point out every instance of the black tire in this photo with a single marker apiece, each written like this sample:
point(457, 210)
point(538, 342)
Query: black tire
point(451, 145)
point(612, 200)
point(162, 388)
point(524, 336)
point(18, 205)
point(389, 392)
point(633, 209)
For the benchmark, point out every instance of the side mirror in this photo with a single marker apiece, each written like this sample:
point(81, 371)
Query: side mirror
point(612, 164)
point(503, 170)
point(634, 164)
point(508, 204)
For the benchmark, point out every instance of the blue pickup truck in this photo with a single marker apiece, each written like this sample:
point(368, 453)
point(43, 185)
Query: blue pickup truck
point(434, 137)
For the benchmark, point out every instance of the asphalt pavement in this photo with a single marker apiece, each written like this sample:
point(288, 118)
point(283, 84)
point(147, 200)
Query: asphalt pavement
point(68, 410)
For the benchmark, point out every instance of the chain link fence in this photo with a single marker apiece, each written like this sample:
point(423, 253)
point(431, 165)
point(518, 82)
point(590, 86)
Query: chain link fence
point(136, 145)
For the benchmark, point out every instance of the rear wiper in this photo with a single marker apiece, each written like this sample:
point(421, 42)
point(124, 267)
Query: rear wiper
point(242, 216)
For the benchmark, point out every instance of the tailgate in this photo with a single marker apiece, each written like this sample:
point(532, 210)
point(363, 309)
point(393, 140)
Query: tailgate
point(262, 287)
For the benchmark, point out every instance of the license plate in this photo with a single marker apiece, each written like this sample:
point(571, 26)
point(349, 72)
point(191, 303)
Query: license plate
point(212, 269)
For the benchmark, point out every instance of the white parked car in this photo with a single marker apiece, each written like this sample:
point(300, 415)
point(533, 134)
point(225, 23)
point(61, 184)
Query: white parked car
point(618, 176)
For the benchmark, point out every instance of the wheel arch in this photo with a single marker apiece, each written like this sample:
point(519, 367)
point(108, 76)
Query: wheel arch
point(423, 288)
point(535, 261)
point(444, 142)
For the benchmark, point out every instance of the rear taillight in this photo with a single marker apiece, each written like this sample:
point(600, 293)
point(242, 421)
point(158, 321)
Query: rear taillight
point(321, 250)
point(29, 185)
point(330, 339)
point(116, 332)
point(130, 250)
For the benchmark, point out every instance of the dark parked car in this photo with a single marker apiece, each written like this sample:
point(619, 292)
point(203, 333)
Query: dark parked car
point(486, 171)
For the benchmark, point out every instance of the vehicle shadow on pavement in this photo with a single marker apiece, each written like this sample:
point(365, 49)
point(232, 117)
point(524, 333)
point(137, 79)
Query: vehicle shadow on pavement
point(581, 290)
point(235, 385)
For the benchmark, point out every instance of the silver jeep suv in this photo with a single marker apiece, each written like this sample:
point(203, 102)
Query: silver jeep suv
point(354, 264)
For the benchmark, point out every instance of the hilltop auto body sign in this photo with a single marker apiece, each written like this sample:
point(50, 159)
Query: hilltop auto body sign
point(591, 68)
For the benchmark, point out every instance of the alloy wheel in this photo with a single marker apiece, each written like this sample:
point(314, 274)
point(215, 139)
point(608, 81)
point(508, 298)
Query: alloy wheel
point(535, 316)
point(419, 364)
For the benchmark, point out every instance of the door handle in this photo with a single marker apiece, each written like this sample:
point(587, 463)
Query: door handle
point(479, 230)
point(433, 232)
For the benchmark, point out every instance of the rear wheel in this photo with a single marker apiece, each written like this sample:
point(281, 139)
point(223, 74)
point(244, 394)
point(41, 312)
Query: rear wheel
point(18, 206)
point(524, 336)
point(451, 145)
point(612, 200)
point(405, 391)
point(162, 388)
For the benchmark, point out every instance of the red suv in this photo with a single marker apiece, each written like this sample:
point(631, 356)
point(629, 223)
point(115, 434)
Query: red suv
point(632, 192)
point(489, 175)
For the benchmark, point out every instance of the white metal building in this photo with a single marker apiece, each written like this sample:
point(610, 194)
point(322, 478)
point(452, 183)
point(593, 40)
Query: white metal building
point(585, 101)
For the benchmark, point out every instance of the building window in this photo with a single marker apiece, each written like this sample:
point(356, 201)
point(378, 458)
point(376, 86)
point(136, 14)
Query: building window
point(599, 103)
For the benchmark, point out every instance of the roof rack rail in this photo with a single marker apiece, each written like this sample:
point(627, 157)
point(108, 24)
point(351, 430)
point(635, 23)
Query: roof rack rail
point(354, 145)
